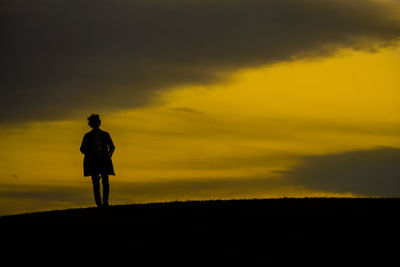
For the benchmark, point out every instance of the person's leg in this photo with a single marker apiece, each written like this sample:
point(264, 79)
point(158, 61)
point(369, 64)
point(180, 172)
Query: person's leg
point(106, 188)
point(96, 189)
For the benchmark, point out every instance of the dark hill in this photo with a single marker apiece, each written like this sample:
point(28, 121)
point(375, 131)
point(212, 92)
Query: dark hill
point(275, 232)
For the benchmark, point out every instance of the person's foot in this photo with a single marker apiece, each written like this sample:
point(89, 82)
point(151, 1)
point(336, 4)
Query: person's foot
point(105, 205)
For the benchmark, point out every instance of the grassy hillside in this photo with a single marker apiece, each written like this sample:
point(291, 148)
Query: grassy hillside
point(275, 232)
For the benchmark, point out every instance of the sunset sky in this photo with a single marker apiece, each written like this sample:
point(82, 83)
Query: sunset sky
point(210, 99)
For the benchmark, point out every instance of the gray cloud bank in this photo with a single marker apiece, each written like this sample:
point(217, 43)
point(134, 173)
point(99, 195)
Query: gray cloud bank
point(374, 172)
point(61, 58)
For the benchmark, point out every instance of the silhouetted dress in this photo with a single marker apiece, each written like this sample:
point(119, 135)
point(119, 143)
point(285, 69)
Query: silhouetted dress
point(96, 146)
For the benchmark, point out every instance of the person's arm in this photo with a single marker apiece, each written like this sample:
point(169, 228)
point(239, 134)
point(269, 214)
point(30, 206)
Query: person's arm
point(110, 145)
point(84, 145)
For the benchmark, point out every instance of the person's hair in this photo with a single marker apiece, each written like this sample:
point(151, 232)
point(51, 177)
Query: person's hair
point(93, 119)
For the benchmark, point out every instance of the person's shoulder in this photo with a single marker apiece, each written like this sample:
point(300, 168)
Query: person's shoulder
point(104, 132)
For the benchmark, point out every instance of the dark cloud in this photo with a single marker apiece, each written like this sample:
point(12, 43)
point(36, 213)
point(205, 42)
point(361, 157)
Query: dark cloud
point(374, 172)
point(44, 192)
point(64, 58)
point(21, 198)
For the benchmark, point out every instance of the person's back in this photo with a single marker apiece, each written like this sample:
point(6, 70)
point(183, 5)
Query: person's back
point(96, 142)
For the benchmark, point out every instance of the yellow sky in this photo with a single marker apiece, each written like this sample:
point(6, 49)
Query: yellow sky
point(253, 125)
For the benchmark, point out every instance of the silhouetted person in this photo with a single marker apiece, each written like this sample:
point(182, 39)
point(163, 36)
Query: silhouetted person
point(98, 148)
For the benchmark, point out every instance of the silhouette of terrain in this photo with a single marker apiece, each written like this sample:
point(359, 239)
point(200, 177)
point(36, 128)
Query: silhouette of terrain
point(275, 232)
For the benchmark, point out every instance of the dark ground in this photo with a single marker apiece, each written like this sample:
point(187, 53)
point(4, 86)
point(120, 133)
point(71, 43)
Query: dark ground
point(274, 232)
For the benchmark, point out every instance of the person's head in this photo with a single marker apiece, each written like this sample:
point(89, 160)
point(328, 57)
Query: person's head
point(94, 121)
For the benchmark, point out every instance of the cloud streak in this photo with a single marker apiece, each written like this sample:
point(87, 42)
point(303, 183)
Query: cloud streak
point(61, 58)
